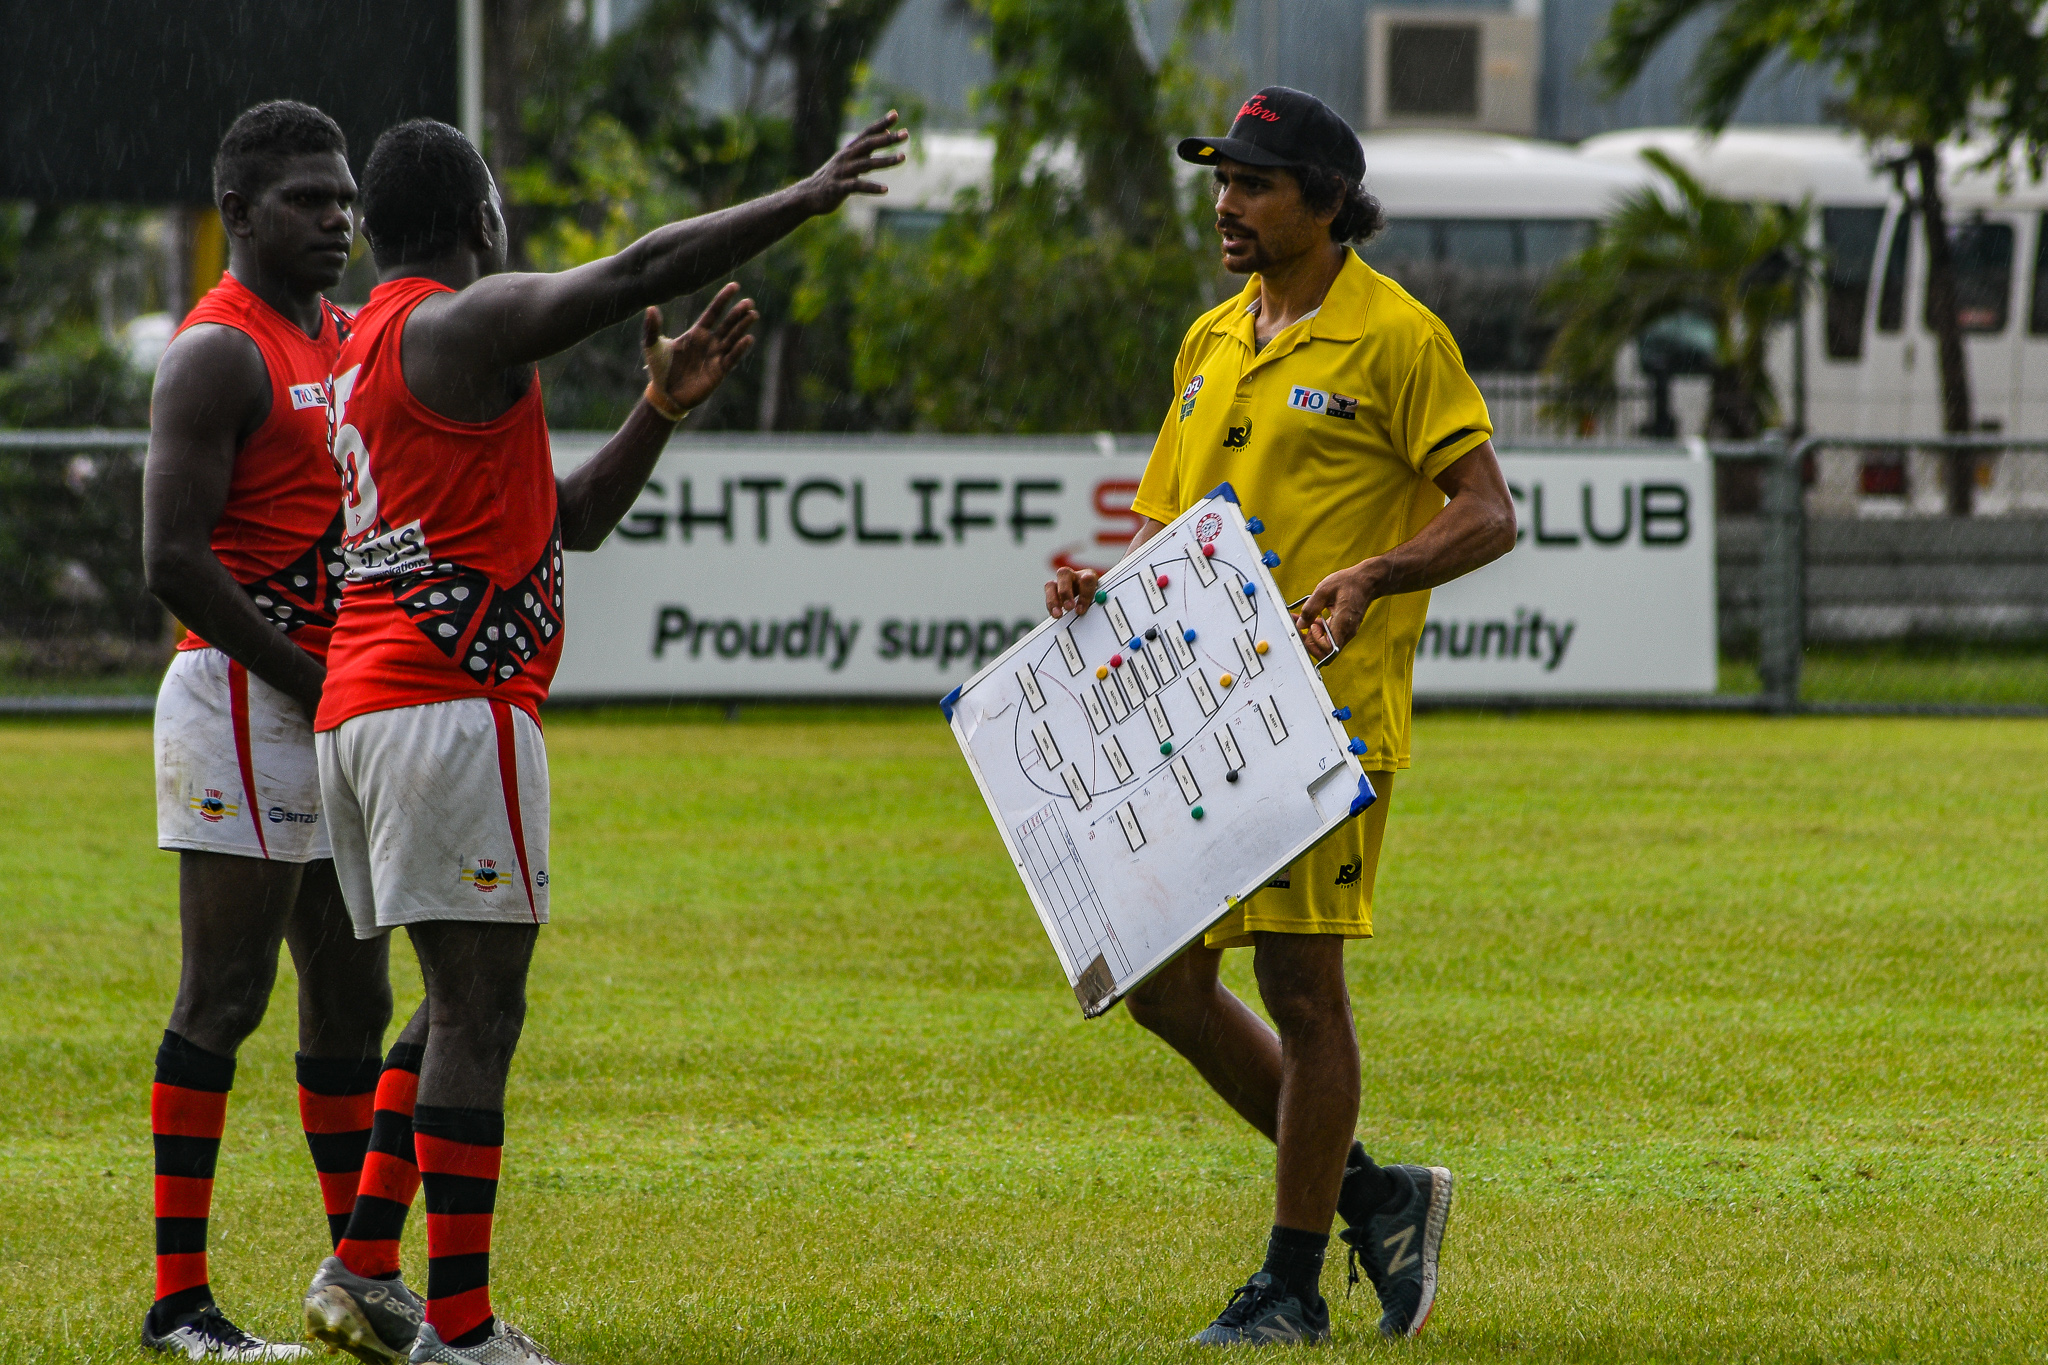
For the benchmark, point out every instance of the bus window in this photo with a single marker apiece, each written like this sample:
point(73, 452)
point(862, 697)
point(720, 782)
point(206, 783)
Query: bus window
point(1405, 239)
point(1891, 295)
point(2037, 311)
point(1850, 238)
point(1480, 243)
point(1983, 262)
point(1547, 241)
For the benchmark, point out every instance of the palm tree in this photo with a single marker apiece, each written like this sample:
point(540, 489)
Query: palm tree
point(1667, 253)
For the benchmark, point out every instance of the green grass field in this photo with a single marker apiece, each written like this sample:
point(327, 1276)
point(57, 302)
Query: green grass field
point(1732, 1029)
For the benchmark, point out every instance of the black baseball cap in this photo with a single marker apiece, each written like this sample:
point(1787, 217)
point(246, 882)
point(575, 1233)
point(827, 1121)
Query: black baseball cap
point(1282, 127)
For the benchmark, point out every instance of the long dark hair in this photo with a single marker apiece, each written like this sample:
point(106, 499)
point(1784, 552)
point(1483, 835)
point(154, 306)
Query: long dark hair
point(1359, 215)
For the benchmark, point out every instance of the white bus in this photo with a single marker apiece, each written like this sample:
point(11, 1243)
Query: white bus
point(1477, 220)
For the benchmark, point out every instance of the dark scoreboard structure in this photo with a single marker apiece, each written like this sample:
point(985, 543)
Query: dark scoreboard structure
point(125, 100)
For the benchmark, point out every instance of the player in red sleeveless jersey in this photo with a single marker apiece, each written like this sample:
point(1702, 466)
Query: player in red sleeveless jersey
point(241, 540)
point(431, 760)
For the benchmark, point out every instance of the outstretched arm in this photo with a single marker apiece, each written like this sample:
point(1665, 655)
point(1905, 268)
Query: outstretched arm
point(682, 372)
point(1476, 527)
point(211, 393)
point(504, 321)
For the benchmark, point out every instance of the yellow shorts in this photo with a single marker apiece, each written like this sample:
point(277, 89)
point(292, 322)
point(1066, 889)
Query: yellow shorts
point(1327, 890)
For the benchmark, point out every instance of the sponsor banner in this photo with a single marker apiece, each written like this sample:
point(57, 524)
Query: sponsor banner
point(869, 568)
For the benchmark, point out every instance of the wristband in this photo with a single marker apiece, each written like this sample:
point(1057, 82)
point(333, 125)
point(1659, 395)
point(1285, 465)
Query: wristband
point(663, 404)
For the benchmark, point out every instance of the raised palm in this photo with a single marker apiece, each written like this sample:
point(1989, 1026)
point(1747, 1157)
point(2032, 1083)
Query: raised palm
point(686, 369)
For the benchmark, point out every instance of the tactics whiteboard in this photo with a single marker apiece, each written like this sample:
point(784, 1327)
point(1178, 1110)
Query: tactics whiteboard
point(1156, 760)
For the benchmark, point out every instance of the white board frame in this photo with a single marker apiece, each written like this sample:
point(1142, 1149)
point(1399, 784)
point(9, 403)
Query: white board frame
point(1097, 984)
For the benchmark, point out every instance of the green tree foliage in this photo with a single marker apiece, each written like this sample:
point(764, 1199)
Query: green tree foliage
point(1057, 303)
point(1921, 73)
point(1665, 254)
point(1021, 319)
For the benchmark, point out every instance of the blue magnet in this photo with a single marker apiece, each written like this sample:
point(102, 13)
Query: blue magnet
point(1341, 713)
point(1188, 635)
point(1250, 588)
point(1270, 559)
point(1254, 525)
point(1136, 644)
point(1356, 746)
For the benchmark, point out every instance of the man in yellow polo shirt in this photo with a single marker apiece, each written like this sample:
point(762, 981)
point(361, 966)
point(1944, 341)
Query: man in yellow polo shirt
point(1339, 409)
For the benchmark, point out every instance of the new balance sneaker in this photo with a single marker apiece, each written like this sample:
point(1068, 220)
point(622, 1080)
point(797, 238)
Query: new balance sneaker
point(1261, 1313)
point(1399, 1249)
point(373, 1320)
point(506, 1345)
point(208, 1335)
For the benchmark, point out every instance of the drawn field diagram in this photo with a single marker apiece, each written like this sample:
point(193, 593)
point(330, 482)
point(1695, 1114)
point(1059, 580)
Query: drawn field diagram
point(1157, 758)
point(1080, 924)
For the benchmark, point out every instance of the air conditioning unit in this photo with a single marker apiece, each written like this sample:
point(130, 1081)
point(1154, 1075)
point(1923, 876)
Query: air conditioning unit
point(1441, 67)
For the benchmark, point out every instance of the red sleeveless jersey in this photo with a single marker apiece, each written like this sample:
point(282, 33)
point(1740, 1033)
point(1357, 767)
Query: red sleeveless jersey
point(452, 584)
point(279, 533)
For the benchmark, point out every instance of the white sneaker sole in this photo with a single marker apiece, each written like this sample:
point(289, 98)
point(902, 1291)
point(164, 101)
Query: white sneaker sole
point(334, 1320)
point(1432, 1240)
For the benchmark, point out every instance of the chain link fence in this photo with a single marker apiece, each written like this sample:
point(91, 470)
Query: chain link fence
point(76, 617)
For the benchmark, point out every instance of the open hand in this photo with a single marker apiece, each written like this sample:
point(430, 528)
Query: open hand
point(687, 368)
point(827, 187)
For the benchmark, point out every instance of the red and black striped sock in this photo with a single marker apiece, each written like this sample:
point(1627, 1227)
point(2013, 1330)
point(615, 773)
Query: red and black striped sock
point(335, 1095)
point(188, 1107)
point(459, 1151)
point(391, 1173)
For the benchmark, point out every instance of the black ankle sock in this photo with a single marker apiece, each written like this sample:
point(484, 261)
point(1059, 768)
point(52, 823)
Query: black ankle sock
point(1295, 1261)
point(477, 1335)
point(167, 1312)
point(1367, 1190)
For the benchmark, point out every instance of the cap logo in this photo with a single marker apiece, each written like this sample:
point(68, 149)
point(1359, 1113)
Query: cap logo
point(1256, 108)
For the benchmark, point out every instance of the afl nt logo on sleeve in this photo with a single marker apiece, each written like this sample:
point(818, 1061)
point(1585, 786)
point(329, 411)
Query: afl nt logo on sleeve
point(1187, 396)
point(308, 396)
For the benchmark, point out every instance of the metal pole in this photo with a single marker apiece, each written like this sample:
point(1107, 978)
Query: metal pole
point(469, 79)
point(1782, 619)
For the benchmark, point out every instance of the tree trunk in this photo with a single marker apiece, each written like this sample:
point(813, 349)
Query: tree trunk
point(1960, 465)
point(825, 51)
point(508, 37)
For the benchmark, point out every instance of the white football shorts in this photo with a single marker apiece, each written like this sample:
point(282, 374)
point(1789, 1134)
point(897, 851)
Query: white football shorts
point(235, 771)
point(438, 812)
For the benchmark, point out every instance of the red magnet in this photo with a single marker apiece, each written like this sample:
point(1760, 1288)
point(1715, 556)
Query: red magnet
point(1209, 550)
point(1116, 661)
point(1162, 580)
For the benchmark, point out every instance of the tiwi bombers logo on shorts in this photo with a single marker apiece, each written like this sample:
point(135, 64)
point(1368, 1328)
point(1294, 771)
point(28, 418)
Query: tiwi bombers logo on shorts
point(483, 876)
point(212, 805)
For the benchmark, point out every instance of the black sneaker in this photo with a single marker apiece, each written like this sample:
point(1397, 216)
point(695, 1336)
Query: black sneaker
point(1261, 1313)
point(1399, 1249)
point(208, 1335)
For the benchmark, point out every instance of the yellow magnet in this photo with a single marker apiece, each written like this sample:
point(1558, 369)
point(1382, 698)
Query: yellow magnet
point(1226, 680)
point(1101, 671)
point(1260, 646)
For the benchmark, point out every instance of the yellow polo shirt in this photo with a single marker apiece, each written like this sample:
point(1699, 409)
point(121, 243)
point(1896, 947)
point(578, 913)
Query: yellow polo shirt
point(1331, 435)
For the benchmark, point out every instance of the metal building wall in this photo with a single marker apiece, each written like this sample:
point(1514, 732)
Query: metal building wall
point(1569, 106)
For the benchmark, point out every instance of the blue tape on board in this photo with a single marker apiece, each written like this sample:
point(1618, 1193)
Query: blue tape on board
point(1366, 795)
point(1223, 491)
point(947, 703)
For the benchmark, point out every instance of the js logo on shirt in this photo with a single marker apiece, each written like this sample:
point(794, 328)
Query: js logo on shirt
point(1238, 437)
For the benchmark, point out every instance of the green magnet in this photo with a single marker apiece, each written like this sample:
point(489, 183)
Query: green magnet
point(1196, 812)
